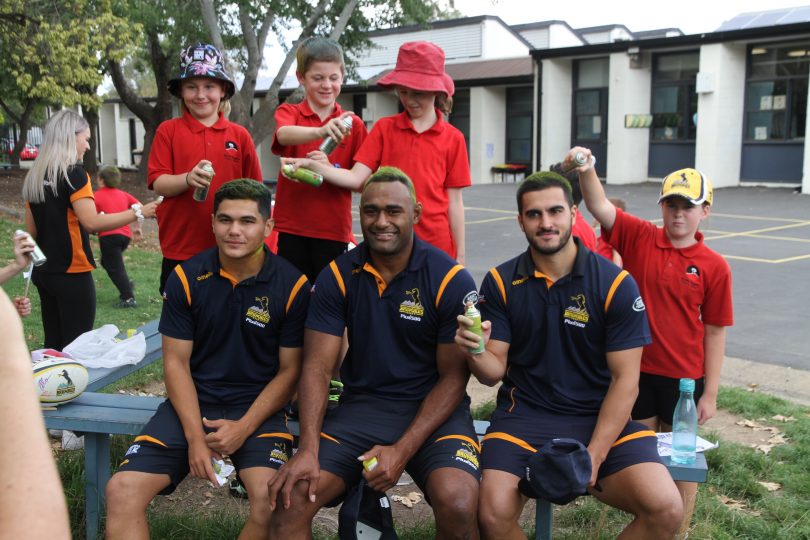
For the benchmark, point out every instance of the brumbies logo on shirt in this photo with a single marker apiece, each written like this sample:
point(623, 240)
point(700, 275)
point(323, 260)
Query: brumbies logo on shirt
point(412, 308)
point(259, 315)
point(467, 455)
point(278, 454)
point(577, 315)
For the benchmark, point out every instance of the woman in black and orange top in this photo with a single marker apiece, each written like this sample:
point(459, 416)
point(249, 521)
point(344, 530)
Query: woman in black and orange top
point(59, 213)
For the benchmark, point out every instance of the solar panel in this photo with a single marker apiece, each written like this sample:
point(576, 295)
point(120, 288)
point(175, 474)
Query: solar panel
point(772, 17)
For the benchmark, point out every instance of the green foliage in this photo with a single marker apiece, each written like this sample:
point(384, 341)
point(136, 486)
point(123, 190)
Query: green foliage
point(483, 411)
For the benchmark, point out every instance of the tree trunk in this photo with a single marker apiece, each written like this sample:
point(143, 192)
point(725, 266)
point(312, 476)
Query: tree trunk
point(91, 156)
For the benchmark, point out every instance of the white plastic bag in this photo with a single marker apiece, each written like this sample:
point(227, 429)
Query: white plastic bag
point(99, 348)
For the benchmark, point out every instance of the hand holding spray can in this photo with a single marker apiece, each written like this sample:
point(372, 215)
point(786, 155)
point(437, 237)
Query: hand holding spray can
point(302, 175)
point(201, 193)
point(473, 313)
point(330, 143)
point(37, 256)
point(579, 160)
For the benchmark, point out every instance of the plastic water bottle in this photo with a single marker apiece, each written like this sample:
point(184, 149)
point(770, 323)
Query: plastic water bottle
point(684, 425)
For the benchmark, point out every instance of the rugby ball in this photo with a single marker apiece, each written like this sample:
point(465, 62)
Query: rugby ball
point(59, 380)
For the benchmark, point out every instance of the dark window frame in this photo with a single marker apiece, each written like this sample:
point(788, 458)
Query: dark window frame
point(687, 107)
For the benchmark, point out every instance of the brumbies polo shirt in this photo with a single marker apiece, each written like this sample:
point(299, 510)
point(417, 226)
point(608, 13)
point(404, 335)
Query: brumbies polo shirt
point(559, 334)
point(393, 328)
point(236, 328)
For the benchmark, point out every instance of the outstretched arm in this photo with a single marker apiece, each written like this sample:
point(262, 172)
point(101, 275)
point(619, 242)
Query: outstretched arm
point(292, 135)
point(592, 191)
point(353, 178)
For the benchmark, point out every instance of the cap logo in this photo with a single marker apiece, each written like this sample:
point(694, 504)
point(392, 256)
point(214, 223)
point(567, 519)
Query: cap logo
point(199, 54)
point(682, 182)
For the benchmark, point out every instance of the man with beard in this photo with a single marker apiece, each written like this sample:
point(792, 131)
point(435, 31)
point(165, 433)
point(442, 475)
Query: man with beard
point(403, 405)
point(564, 329)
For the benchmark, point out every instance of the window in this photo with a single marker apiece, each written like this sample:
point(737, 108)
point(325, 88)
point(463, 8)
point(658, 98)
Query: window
point(674, 100)
point(590, 99)
point(519, 113)
point(776, 92)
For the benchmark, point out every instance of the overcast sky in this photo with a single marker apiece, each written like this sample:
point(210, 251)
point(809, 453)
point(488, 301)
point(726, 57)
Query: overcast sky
point(691, 16)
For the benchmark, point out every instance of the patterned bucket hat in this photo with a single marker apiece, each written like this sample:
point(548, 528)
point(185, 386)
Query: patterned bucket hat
point(202, 60)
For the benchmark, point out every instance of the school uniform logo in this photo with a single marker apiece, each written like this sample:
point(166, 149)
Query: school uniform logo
point(577, 313)
point(259, 313)
point(692, 270)
point(412, 308)
point(278, 454)
point(467, 455)
point(231, 146)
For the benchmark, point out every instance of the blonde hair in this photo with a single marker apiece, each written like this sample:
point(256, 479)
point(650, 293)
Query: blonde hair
point(56, 155)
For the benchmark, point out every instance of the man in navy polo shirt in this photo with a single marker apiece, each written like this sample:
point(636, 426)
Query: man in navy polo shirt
point(232, 324)
point(564, 329)
point(404, 402)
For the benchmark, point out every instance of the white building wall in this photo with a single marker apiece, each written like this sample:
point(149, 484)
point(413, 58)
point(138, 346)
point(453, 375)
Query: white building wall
point(107, 134)
point(499, 42)
point(718, 147)
point(555, 121)
point(561, 36)
point(487, 131)
point(628, 93)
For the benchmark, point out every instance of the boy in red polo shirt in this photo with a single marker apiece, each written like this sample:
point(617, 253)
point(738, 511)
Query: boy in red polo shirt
point(110, 200)
point(421, 143)
point(315, 224)
point(184, 147)
point(687, 290)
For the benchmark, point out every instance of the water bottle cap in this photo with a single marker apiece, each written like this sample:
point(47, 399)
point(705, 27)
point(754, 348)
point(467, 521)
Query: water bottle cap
point(687, 385)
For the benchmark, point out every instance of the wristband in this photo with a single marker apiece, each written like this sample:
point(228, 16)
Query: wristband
point(138, 214)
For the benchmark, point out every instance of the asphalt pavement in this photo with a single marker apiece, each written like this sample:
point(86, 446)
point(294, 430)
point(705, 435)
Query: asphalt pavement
point(764, 233)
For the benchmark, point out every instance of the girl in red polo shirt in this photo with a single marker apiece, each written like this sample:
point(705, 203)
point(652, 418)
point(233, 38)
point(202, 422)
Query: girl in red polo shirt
point(184, 147)
point(420, 142)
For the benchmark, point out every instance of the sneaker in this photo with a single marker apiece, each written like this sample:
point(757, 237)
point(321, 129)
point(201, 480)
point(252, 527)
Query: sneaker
point(236, 488)
point(335, 390)
point(128, 303)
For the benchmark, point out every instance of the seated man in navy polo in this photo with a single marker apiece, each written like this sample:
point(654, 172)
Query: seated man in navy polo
point(233, 325)
point(564, 329)
point(404, 401)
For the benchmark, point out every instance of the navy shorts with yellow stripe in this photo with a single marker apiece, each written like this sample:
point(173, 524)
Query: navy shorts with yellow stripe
point(360, 422)
point(161, 448)
point(514, 436)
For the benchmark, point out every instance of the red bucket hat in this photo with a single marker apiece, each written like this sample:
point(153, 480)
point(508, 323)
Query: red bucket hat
point(420, 66)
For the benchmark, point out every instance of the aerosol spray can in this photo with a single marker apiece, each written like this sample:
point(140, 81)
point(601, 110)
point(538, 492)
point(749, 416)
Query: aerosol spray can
point(473, 313)
point(201, 193)
point(329, 143)
point(37, 257)
point(579, 160)
point(302, 175)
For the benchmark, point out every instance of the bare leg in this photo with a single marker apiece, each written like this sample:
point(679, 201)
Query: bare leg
point(128, 494)
point(500, 505)
point(255, 480)
point(647, 491)
point(454, 497)
point(296, 521)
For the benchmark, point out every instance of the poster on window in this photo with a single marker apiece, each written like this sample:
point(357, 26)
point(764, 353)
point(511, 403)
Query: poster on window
point(779, 102)
point(766, 103)
point(761, 133)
